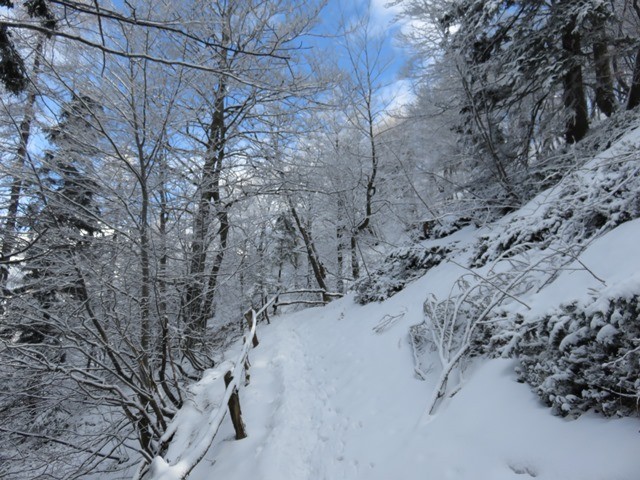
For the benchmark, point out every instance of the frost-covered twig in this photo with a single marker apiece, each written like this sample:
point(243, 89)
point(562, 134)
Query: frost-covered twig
point(453, 322)
point(493, 284)
point(575, 258)
point(387, 321)
point(617, 360)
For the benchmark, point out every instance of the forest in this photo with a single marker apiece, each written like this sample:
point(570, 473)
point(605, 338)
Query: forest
point(165, 165)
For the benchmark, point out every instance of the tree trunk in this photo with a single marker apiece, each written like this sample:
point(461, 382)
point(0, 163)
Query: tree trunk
point(24, 131)
point(371, 179)
point(574, 97)
point(633, 99)
point(341, 231)
point(208, 309)
point(164, 346)
point(340, 258)
point(355, 265)
point(319, 271)
point(145, 283)
point(605, 97)
point(199, 292)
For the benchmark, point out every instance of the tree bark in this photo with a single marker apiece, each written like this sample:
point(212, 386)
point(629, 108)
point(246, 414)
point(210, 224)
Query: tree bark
point(633, 99)
point(341, 231)
point(199, 291)
point(145, 268)
point(574, 97)
point(164, 347)
point(605, 97)
point(24, 131)
point(355, 265)
point(319, 271)
point(340, 258)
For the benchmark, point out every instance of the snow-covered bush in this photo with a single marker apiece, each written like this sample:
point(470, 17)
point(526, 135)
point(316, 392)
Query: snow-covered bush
point(582, 358)
point(588, 202)
point(399, 268)
point(440, 228)
point(457, 326)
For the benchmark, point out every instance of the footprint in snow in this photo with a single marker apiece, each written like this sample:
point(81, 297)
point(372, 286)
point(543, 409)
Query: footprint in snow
point(523, 469)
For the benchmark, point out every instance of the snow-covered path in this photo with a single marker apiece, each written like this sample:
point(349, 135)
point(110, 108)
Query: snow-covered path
point(330, 399)
point(330, 420)
point(311, 409)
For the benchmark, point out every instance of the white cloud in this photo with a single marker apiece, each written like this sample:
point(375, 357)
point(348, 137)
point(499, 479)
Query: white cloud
point(383, 17)
point(396, 96)
point(382, 12)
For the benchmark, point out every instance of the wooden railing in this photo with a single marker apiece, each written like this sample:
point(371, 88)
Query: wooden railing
point(182, 447)
point(323, 298)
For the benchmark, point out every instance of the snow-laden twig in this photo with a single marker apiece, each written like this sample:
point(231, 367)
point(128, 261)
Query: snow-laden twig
point(472, 300)
point(567, 252)
point(490, 282)
point(618, 360)
point(387, 321)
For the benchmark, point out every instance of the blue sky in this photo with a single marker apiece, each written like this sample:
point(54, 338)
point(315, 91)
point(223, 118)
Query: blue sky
point(385, 30)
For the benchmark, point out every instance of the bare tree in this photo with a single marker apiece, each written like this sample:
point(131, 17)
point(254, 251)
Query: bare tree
point(365, 80)
point(128, 220)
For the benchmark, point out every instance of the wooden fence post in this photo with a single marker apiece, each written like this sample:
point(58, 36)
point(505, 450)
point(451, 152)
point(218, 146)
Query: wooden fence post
point(265, 312)
point(249, 317)
point(234, 409)
point(247, 375)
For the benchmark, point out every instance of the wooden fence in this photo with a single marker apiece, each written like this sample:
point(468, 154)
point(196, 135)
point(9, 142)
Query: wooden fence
point(323, 298)
point(183, 447)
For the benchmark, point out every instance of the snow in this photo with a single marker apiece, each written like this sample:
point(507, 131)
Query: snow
point(606, 332)
point(187, 433)
point(334, 392)
point(332, 399)
point(612, 259)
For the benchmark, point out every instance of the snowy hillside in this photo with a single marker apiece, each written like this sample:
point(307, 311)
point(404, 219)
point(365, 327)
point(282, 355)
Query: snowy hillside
point(331, 399)
point(343, 392)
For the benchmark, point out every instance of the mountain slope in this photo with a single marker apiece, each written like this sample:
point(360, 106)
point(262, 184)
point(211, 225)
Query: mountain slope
point(342, 392)
point(331, 399)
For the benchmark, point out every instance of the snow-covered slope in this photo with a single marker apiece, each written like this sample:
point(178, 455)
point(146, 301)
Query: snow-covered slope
point(332, 399)
point(334, 392)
